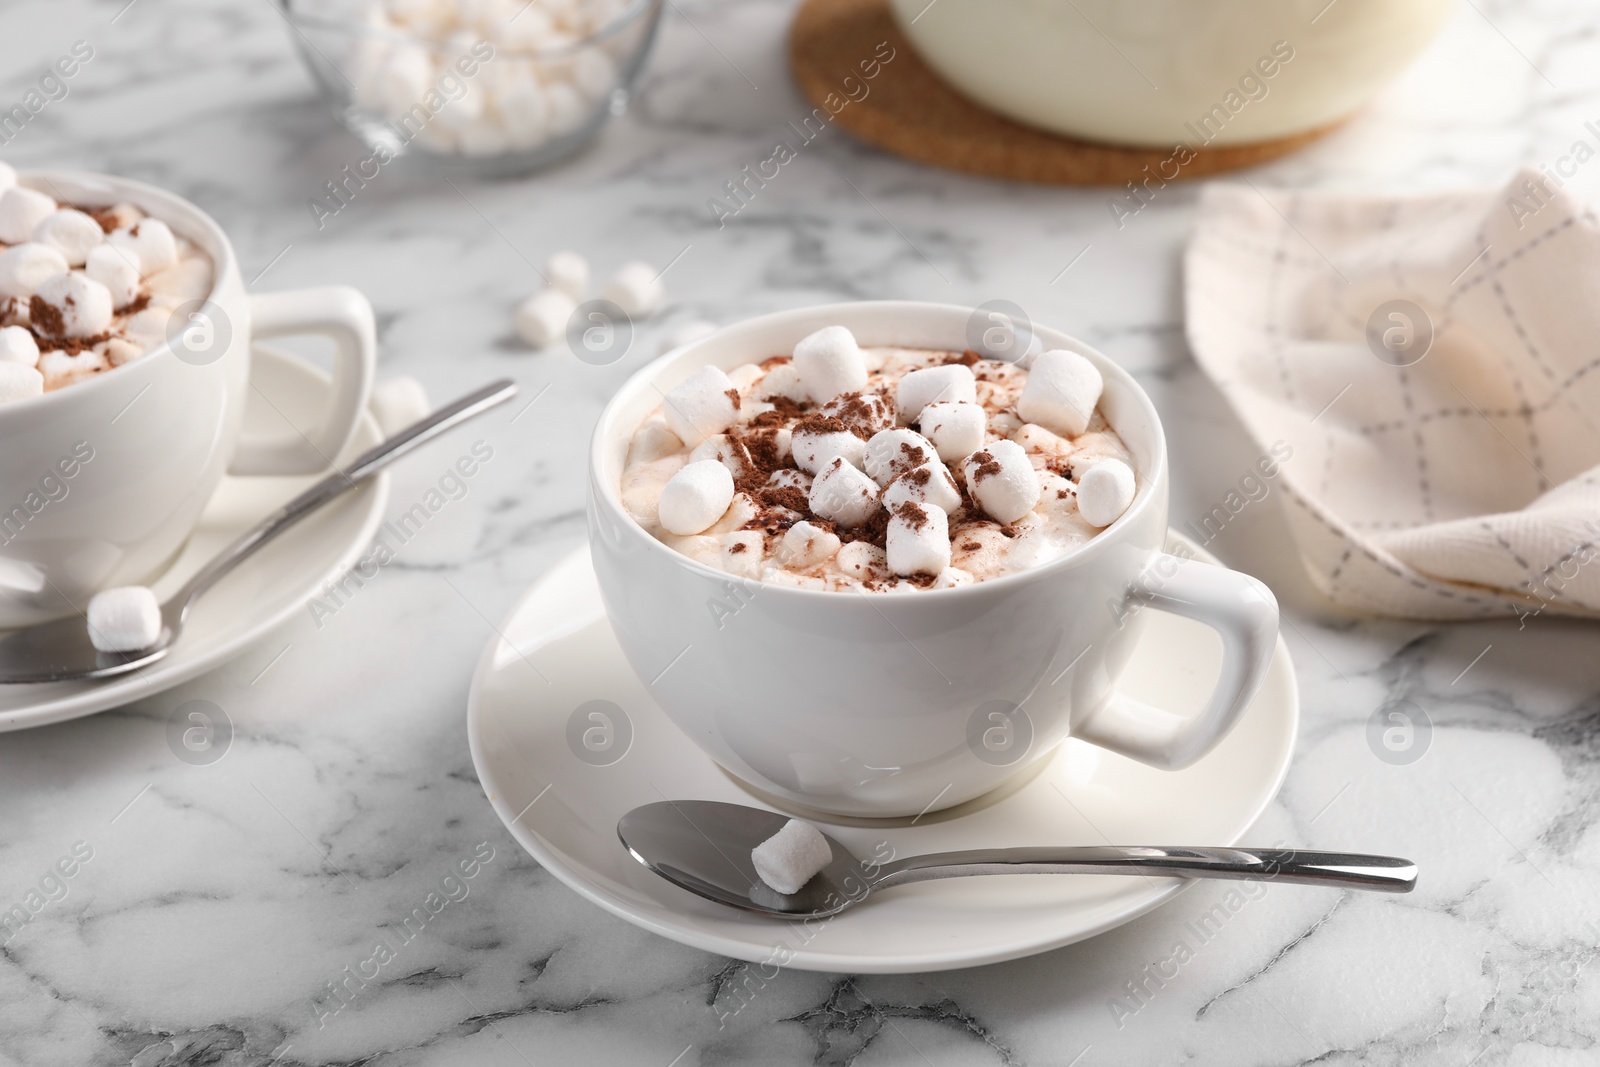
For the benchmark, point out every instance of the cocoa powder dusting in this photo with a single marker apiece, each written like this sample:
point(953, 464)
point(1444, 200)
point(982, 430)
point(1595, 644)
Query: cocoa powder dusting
point(45, 317)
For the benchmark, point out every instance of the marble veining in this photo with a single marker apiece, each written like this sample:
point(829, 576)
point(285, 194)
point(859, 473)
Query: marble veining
point(223, 907)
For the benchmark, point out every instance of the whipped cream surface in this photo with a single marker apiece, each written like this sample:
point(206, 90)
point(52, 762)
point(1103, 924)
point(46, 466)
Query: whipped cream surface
point(877, 533)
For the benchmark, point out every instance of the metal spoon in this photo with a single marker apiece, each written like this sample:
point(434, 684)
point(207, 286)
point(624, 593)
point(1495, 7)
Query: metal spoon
point(704, 846)
point(61, 650)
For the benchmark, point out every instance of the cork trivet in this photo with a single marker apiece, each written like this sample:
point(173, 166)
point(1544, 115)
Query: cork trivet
point(911, 112)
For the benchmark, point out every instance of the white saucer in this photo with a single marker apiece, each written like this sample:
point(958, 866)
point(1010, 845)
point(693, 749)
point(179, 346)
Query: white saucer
point(558, 653)
point(266, 589)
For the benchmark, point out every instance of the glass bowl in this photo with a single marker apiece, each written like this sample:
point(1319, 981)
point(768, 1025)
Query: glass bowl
point(488, 86)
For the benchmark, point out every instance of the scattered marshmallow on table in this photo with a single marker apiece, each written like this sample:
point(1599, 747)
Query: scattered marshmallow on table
point(568, 272)
point(844, 495)
point(125, 619)
point(397, 403)
point(21, 211)
point(690, 331)
point(1002, 481)
point(829, 363)
point(541, 320)
point(893, 452)
point(790, 858)
point(955, 427)
point(151, 240)
point(1061, 392)
point(83, 303)
point(118, 270)
point(701, 406)
point(930, 483)
point(636, 288)
point(25, 267)
point(918, 539)
point(695, 498)
point(950, 383)
point(18, 381)
point(18, 346)
point(70, 232)
point(1105, 491)
point(815, 449)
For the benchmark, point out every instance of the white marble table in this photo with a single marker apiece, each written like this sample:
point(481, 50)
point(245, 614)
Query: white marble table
point(220, 903)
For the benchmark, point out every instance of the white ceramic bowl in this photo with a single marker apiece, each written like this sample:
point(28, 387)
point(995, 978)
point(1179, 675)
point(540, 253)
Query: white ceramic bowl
point(1150, 72)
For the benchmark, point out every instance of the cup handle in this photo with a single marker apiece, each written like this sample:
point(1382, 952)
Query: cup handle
point(342, 314)
point(1244, 613)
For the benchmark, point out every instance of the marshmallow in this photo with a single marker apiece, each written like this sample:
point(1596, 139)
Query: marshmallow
point(805, 545)
point(1062, 389)
point(863, 414)
point(863, 561)
point(8, 176)
point(829, 363)
point(568, 272)
point(918, 539)
point(525, 108)
point(783, 381)
point(152, 240)
point(398, 403)
point(84, 304)
point(118, 270)
point(1002, 481)
point(789, 478)
point(652, 441)
point(724, 450)
point(18, 381)
point(815, 449)
point(21, 211)
point(567, 112)
point(25, 267)
point(60, 368)
point(594, 74)
point(636, 288)
point(790, 858)
point(70, 232)
point(695, 498)
point(119, 351)
point(1105, 491)
point(18, 346)
point(956, 428)
point(844, 495)
point(541, 320)
point(930, 483)
point(125, 619)
point(893, 452)
point(690, 331)
point(703, 404)
point(951, 383)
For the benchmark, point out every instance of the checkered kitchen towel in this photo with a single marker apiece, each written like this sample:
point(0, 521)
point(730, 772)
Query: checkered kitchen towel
point(1434, 364)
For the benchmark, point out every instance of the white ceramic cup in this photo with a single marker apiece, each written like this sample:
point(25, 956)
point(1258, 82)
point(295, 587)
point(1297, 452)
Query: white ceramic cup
point(894, 704)
point(102, 481)
point(1157, 73)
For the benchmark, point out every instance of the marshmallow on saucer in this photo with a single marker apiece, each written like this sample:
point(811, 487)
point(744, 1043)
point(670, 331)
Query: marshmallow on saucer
point(541, 319)
point(125, 619)
point(892, 452)
point(1002, 481)
point(829, 363)
point(1105, 491)
point(397, 403)
point(956, 428)
point(790, 858)
point(930, 483)
point(695, 498)
point(950, 383)
point(70, 232)
point(636, 288)
point(152, 240)
point(918, 539)
point(815, 449)
point(692, 330)
point(18, 381)
point(18, 346)
point(1062, 389)
point(25, 267)
point(21, 211)
point(843, 494)
point(84, 304)
point(700, 406)
point(805, 545)
point(568, 272)
point(118, 270)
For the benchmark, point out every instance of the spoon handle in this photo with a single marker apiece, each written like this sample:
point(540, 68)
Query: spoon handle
point(342, 481)
point(1350, 870)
